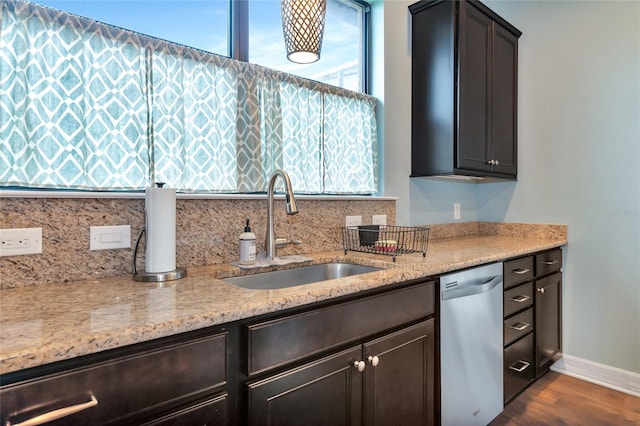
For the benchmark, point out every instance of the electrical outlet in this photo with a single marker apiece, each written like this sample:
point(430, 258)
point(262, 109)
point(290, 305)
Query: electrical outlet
point(379, 219)
point(456, 211)
point(20, 241)
point(352, 221)
point(109, 237)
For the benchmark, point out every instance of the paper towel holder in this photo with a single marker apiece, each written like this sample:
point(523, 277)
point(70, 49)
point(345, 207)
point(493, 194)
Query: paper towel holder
point(145, 276)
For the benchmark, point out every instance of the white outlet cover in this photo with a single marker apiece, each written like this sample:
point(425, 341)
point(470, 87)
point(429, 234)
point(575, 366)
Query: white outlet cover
point(20, 241)
point(456, 211)
point(109, 237)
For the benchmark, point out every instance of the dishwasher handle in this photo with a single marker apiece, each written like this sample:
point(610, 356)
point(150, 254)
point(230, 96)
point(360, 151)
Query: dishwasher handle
point(470, 289)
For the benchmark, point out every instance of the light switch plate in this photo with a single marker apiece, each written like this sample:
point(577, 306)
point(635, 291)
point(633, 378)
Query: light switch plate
point(351, 221)
point(20, 241)
point(379, 219)
point(109, 237)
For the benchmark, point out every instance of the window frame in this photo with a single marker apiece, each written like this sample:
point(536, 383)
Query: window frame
point(239, 35)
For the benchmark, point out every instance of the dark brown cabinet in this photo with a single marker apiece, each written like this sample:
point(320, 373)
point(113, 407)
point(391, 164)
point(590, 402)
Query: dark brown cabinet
point(549, 329)
point(168, 381)
point(533, 318)
point(382, 380)
point(399, 382)
point(324, 392)
point(386, 381)
point(464, 91)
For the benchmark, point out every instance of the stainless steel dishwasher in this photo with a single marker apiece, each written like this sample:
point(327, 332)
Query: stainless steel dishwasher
point(471, 350)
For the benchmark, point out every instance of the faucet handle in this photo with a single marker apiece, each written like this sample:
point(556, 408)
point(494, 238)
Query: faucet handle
point(281, 242)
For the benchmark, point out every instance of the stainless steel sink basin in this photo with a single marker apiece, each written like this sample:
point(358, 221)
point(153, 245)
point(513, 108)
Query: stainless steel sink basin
point(298, 276)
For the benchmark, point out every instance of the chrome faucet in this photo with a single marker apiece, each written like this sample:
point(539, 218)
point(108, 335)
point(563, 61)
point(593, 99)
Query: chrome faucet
point(291, 206)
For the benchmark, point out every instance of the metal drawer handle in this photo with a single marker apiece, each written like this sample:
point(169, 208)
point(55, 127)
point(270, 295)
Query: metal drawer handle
point(521, 271)
point(58, 414)
point(520, 326)
point(523, 366)
point(520, 299)
point(550, 262)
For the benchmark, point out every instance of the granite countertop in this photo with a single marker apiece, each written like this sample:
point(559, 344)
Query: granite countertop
point(54, 322)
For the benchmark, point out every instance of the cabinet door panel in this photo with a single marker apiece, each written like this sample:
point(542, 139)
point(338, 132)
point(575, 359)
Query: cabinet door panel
point(504, 101)
point(400, 389)
point(474, 89)
point(548, 322)
point(325, 392)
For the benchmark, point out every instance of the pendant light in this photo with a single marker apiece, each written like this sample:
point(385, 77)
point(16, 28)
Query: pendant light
point(303, 25)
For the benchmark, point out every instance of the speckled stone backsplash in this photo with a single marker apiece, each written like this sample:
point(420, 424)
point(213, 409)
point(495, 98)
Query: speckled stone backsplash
point(206, 232)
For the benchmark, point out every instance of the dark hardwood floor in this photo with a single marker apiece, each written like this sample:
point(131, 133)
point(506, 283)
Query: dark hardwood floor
point(557, 399)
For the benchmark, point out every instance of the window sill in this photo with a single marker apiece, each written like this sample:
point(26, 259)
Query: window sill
point(10, 193)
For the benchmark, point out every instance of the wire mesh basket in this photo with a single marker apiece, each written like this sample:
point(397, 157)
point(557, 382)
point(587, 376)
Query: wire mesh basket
point(387, 240)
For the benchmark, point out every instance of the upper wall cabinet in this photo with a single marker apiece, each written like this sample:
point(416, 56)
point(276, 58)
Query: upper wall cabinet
point(464, 91)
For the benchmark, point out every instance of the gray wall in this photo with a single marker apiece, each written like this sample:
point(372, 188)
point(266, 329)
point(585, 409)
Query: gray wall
point(579, 155)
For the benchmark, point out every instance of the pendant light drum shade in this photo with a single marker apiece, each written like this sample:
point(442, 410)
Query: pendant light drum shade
point(303, 27)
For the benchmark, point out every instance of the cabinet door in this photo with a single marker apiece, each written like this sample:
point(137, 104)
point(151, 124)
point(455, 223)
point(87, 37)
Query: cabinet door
point(399, 377)
point(474, 74)
point(504, 82)
point(548, 322)
point(325, 392)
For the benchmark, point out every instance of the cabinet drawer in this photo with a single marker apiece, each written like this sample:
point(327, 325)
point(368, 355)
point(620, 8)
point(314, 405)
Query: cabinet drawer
point(283, 340)
point(112, 390)
point(548, 262)
point(518, 271)
point(518, 366)
point(518, 326)
point(518, 298)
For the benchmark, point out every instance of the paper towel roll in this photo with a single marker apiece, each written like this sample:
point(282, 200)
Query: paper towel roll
point(160, 216)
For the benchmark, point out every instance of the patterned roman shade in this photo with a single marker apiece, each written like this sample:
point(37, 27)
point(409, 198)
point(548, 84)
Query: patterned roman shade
point(88, 106)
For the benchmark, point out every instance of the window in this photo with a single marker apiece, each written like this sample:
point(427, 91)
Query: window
point(342, 59)
point(90, 106)
point(204, 24)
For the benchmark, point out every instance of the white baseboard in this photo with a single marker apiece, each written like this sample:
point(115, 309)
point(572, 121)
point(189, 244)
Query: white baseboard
point(600, 374)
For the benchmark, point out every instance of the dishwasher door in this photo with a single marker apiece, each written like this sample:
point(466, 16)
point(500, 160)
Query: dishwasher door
point(471, 349)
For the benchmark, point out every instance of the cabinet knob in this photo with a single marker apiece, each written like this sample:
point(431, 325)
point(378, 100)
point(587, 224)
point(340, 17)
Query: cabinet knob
point(490, 162)
point(374, 360)
point(541, 290)
point(360, 365)
point(496, 162)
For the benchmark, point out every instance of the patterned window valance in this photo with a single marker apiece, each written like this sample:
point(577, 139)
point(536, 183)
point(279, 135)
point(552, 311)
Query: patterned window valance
point(88, 106)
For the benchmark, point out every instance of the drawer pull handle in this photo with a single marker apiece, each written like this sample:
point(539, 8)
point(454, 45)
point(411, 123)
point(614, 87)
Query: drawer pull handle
point(360, 365)
point(520, 326)
point(521, 271)
point(520, 299)
point(550, 262)
point(374, 360)
point(58, 414)
point(520, 368)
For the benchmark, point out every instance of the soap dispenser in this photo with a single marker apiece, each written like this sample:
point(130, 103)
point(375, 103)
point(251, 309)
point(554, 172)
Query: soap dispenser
point(247, 246)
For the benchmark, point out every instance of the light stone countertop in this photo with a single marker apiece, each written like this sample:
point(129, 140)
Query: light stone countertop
point(54, 322)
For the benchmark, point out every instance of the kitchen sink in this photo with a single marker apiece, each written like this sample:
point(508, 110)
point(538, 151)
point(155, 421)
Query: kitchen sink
point(299, 276)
